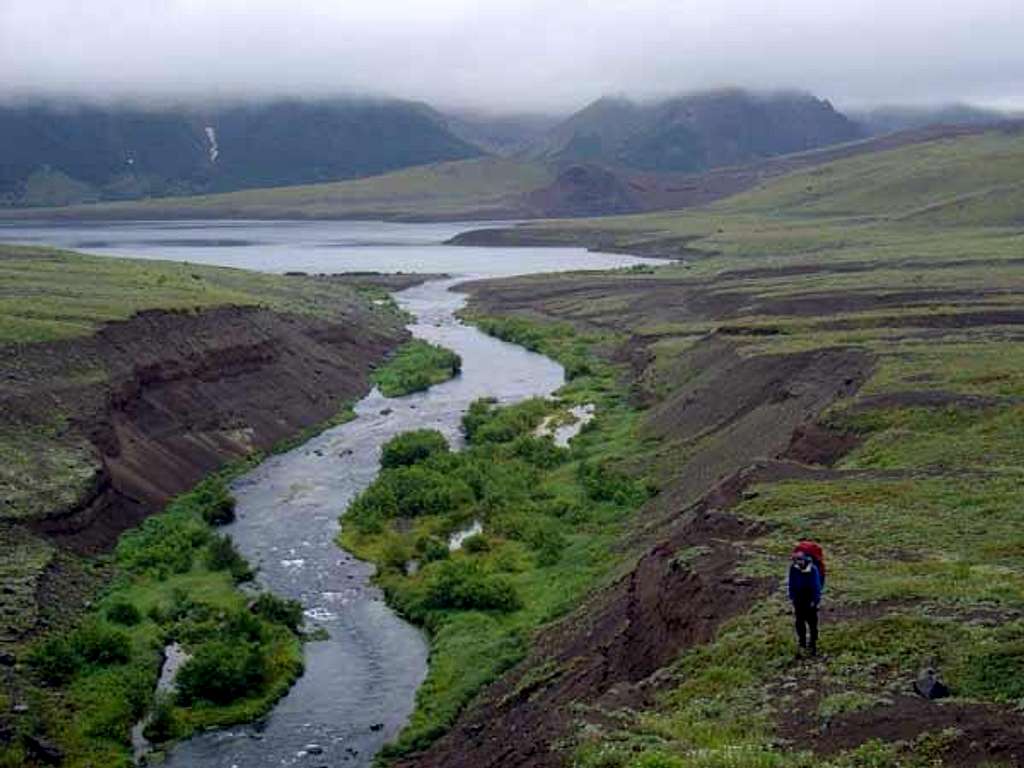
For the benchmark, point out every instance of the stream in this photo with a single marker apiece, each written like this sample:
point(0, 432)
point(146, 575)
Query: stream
point(359, 685)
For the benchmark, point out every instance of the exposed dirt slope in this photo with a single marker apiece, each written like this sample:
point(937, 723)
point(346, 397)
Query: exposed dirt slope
point(167, 396)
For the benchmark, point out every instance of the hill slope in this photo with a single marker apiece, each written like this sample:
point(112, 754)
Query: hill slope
point(699, 131)
point(830, 364)
point(57, 155)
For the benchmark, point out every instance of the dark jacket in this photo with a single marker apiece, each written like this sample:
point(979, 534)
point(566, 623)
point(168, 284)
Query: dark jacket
point(804, 586)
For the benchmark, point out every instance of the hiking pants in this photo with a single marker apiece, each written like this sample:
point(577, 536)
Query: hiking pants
point(806, 624)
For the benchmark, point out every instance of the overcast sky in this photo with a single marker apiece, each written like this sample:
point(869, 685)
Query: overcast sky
point(506, 55)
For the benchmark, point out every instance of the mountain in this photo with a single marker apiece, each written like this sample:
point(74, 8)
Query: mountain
point(890, 119)
point(55, 155)
point(697, 131)
point(504, 135)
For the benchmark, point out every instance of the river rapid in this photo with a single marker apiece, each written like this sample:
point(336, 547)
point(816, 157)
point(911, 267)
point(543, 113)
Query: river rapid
point(359, 684)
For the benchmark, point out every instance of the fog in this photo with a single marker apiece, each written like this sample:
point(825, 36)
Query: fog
point(505, 55)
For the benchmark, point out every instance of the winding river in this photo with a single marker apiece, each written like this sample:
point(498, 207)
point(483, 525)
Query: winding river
point(359, 685)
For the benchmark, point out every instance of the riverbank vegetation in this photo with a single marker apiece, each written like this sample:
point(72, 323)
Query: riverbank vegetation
point(415, 366)
point(176, 582)
point(549, 518)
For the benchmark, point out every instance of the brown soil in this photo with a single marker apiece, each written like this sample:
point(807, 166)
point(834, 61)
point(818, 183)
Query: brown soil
point(180, 394)
point(987, 734)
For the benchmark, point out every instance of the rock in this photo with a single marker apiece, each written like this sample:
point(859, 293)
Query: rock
point(386, 412)
point(930, 686)
point(377, 727)
point(43, 750)
point(314, 749)
point(20, 709)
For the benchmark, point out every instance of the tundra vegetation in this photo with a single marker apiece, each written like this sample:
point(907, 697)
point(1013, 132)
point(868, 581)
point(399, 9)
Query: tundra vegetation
point(415, 366)
point(550, 518)
point(175, 582)
point(908, 472)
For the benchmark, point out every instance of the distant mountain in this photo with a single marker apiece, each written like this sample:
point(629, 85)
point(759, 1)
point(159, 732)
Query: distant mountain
point(53, 155)
point(890, 119)
point(697, 131)
point(504, 135)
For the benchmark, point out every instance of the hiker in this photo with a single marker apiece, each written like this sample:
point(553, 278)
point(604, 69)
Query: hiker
point(805, 583)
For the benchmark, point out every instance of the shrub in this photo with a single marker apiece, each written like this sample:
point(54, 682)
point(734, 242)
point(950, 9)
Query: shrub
point(222, 555)
point(431, 548)
point(221, 672)
point(279, 610)
point(55, 661)
point(214, 501)
point(602, 483)
point(539, 451)
point(395, 553)
point(409, 492)
point(485, 422)
point(476, 543)
point(163, 544)
point(101, 645)
point(163, 723)
point(124, 613)
point(466, 585)
point(412, 447)
point(417, 365)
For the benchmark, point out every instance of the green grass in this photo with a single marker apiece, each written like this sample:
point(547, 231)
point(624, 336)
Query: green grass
point(415, 366)
point(551, 518)
point(449, 189)
point(48, 294)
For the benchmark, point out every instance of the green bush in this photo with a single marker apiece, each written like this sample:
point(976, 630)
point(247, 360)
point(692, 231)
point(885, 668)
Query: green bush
point(123, 613)
point(279, 610)
point(222, 555)
point(214, 501)
point(485, 422)
point(412, 447)
point(101, 645)
point(55, 661)
point(410, 492)
point(221, 672)
point(477, 543)
point(603, 483)
point(163, 724)
point(465, 585)
point(164, 544)
point(432, 548)
point(539, 451)
point(415, 367)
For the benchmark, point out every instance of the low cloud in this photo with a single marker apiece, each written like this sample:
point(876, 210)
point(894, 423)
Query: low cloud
point(499, 55)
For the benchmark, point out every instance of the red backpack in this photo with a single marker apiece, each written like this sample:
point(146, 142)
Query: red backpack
point(817, 554)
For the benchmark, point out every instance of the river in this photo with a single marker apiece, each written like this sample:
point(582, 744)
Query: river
point(359, 685)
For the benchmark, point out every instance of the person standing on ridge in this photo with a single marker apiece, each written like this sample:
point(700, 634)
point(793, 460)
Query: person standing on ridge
point(805, 584)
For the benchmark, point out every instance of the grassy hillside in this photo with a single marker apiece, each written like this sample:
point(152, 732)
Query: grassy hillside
point(48, 294)
point(473, 188)
point(839, 358)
